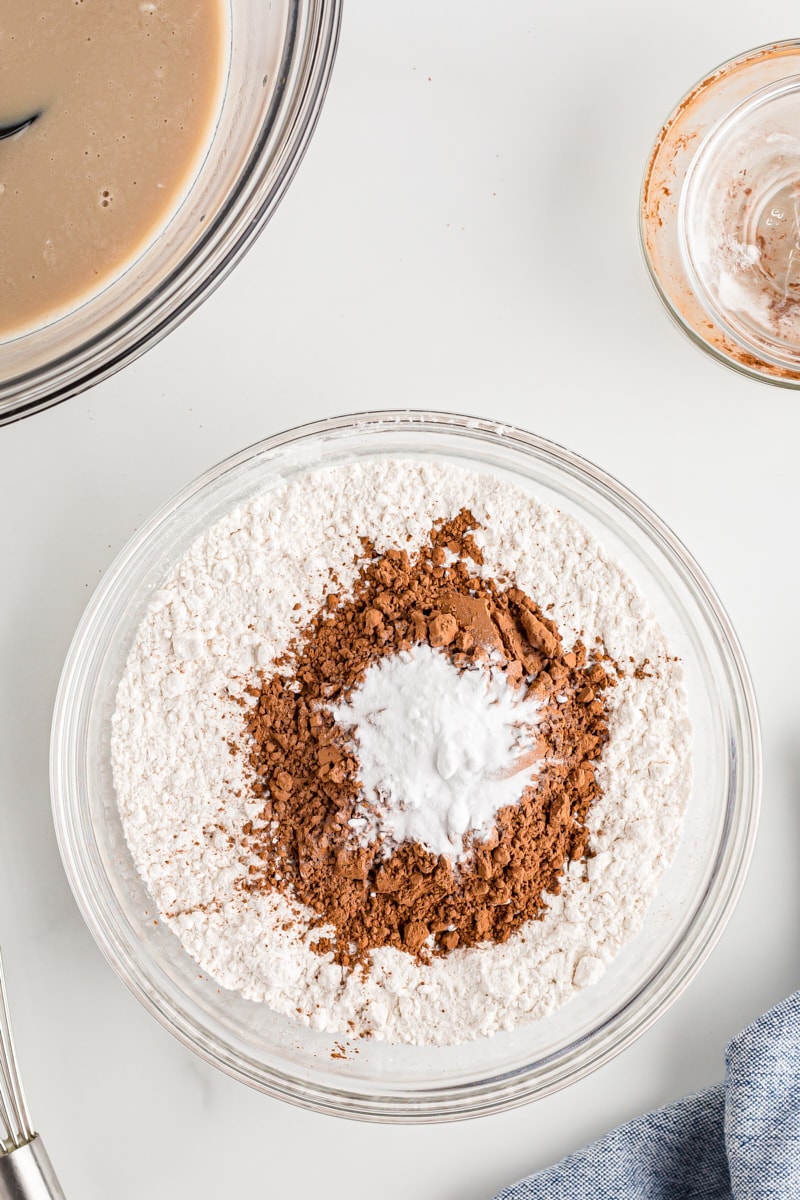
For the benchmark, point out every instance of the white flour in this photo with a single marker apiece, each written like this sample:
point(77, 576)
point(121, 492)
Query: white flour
point(227, 610)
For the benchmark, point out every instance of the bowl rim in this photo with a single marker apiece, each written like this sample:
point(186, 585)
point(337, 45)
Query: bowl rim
point(241, 219)
point(669, 979)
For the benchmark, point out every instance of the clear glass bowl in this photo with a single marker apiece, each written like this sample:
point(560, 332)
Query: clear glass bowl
point(380, 1081)
point(720, 213)
point(281, 56)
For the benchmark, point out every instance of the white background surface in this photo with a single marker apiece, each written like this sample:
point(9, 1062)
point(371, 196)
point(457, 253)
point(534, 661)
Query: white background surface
point(461, 235)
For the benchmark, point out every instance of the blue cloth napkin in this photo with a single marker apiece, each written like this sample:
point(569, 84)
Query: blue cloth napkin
point(737, 1141)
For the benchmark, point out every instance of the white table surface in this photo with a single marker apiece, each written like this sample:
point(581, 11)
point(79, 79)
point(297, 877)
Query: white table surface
point(462, 234)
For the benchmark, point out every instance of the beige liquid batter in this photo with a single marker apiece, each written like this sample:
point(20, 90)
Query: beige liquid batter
point(126, 95)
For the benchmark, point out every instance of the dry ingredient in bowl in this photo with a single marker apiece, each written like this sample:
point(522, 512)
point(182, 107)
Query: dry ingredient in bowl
point(464, 783)
point(400, 752)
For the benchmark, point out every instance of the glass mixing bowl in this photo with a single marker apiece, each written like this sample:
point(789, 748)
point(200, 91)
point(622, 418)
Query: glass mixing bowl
point(280, 60)
point(720, 213)
point(381, 1081)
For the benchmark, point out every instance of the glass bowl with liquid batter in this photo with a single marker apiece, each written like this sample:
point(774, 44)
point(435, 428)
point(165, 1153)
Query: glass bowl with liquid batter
point(177, 153)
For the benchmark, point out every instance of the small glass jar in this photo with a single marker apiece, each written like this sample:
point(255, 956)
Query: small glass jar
point(720, 213)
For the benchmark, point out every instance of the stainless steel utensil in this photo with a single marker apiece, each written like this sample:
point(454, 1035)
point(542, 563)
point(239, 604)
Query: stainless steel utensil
point(25, 1170)
point(7, 131)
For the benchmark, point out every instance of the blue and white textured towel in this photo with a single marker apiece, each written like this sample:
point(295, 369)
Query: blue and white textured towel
point(737, 1141)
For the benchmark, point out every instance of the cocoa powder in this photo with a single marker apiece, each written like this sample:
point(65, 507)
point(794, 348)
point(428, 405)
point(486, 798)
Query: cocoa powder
point(306, 772)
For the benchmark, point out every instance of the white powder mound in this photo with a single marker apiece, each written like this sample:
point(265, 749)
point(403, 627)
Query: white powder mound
point(228, 609)
point(440, 751)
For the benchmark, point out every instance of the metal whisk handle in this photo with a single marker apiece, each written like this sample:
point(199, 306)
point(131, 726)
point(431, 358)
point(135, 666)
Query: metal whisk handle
point(26, 1174)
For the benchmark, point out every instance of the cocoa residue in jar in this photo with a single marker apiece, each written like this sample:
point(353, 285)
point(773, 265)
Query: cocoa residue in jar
point(305, 768)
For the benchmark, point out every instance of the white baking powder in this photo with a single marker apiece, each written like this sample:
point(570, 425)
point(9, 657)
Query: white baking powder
point(438, 749)
point(227, 610)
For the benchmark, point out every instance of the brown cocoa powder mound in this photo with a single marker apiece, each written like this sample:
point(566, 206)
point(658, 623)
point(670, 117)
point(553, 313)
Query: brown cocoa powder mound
point(305, 768)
